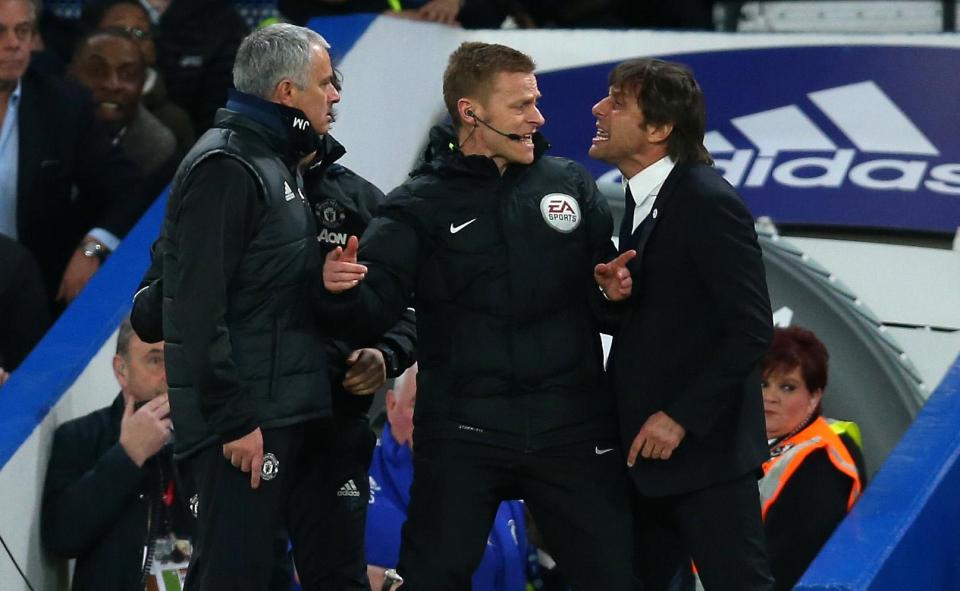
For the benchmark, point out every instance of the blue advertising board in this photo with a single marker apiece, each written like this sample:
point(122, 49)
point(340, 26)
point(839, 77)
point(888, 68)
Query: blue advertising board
point(855, 136)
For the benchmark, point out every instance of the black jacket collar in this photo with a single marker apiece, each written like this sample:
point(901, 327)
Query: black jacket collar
point(328, 152)
point(443, 155)
point(286, 129)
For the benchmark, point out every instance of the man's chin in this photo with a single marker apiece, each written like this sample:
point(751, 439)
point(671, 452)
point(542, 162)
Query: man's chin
point(111, 124)
point(525, 155)
point(596, 152)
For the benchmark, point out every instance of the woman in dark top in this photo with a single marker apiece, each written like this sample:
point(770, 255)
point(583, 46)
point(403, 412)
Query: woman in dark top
point(811, 479)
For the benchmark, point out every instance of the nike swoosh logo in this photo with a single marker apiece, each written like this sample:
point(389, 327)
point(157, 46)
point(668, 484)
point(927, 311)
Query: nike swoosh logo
point(600, 452)
point(455, 229)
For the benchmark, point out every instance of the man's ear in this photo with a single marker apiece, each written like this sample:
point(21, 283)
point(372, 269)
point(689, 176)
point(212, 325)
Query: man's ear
point(390, 400)
point(120, 370)
point(466, 108)
point(658, 134)
point(283, 93)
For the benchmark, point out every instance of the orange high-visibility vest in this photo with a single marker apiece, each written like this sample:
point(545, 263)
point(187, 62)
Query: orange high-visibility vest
point(792, 452)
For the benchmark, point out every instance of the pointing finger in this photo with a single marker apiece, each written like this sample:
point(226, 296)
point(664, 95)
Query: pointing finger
point(353, 244)
point(624, 258)
point(255, 469)
point(638, 442)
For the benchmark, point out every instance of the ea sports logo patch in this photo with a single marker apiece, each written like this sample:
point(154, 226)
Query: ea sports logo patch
point(561, 212)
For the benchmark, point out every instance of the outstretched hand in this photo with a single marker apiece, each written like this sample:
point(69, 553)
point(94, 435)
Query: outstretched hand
point(614, 277)
point(341, 270)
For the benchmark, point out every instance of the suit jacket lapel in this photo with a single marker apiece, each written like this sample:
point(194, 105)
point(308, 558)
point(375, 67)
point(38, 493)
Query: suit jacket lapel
point(645, 229)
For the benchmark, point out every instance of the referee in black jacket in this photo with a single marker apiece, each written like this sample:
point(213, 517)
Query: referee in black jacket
point(497, 243)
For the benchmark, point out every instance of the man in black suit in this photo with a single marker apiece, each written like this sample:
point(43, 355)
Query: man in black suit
point(685, 351)
point(66, 193)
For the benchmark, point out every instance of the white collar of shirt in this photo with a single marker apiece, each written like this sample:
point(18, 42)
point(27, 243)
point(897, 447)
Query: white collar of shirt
point(645, 186)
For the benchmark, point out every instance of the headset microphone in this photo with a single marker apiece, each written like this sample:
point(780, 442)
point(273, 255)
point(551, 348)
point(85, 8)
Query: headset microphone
point(510, 136)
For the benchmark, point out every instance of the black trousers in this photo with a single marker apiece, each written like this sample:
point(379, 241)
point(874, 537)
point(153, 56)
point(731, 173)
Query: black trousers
point(578, 499)
point(340, 562)
point(718, 527)
point(235, 546)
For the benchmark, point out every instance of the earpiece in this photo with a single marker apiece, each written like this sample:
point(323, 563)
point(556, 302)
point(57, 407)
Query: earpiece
point(477, 121)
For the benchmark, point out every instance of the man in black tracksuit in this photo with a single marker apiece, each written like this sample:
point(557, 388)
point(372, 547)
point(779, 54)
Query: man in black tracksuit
point(497, 243)
point(247, 374)
point(343, 204)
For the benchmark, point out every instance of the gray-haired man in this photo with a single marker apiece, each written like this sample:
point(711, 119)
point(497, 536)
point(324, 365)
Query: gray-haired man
point(245, 353)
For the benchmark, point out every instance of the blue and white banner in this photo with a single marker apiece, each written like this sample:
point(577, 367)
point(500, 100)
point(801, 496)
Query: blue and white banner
point(837, 130)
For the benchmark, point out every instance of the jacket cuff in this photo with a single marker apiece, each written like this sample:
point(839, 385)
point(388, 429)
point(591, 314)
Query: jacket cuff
point(389, 359)
point(122, 469)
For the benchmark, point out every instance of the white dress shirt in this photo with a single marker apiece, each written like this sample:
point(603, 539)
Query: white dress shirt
point(645, 186)
point(9, 154)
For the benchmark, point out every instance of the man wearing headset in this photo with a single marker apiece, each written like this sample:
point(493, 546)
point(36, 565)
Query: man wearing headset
point(497, 243)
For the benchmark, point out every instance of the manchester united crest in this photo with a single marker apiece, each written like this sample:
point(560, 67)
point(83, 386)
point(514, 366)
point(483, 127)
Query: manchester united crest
point(270, 468)
point(330, 214)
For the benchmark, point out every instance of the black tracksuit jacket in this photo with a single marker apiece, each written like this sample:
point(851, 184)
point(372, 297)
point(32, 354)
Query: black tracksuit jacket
point(343, 204)
point(508, 342)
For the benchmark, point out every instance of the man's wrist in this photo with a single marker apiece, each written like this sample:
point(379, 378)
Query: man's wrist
point(93, 248)
point(389, 360)
point(130, 452)
point(603, 293)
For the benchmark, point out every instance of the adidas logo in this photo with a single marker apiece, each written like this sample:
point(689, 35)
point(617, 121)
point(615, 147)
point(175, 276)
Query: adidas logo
point(288, 193)
point(865, 117)
point(869, 120)
point(349, 489)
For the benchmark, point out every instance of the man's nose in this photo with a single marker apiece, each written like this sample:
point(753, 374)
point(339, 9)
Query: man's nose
point(538, 117)
point(596, 110)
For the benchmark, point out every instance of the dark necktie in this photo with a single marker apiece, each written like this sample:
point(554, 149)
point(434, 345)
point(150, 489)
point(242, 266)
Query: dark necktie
point(626, 224)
